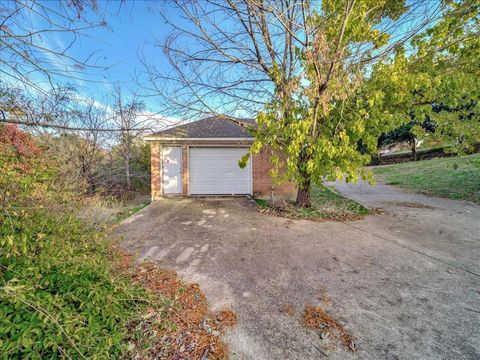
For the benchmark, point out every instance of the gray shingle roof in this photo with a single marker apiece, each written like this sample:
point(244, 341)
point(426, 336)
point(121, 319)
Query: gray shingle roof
point(212, 127)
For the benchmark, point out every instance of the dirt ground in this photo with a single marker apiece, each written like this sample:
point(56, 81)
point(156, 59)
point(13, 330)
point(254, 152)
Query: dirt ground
point(404, 282)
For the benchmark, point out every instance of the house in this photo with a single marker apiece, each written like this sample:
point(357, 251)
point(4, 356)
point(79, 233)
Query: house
point(201, 158)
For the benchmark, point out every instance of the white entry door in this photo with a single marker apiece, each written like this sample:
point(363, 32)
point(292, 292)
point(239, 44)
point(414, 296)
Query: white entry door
point(172, 169)
point(215, 170)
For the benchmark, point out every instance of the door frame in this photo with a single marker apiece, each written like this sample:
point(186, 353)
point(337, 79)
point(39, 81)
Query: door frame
point(219, 146)
point(162, 172)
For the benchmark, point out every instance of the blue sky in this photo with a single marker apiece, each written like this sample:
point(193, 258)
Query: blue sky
point(131, 27)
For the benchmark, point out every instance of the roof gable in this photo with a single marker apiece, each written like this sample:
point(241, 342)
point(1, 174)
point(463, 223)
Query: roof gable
point(212, 127)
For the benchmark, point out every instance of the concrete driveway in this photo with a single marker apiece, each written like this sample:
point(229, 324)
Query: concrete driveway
point(406, 283)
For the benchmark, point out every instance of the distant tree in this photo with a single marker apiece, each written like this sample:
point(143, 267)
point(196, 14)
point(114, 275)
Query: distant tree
point(141, 162)
point(127, 118)
point(407, 133)
point(111, 175)
point(83, 153)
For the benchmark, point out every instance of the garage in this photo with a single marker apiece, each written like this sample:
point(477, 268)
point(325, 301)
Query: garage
point(201, 158)
point(215, 171)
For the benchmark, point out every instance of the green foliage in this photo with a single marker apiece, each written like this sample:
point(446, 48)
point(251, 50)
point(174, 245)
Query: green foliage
point(328, 118)
point(140, 163)
point(408, 133)
point(318, 119)
point(61, 294)
point(130, 211)
point(438, 80)
point(454, 177)
point(331, 152)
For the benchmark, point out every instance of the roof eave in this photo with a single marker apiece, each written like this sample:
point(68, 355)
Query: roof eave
point(160, 138)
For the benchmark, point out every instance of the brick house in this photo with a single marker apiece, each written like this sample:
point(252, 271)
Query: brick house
point(201, 158)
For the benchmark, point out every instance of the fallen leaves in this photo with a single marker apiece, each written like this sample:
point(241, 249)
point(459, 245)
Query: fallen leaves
point(182, 328)
point(287, 309)
point(409, 204)
point(314, 317)
point(323, 296)
point(328, 328)
point(288, 210)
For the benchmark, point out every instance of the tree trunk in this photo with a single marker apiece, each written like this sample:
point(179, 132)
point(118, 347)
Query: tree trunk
point(414, 153)
point(127, 173)
point(303, 194)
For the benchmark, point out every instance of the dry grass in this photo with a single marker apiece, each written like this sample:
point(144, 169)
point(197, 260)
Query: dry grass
point(316, 318)
point(323, 296)
point(288, 210)
point(287, 309)
point(181, 329)
point(326, 205)
point(98, 211)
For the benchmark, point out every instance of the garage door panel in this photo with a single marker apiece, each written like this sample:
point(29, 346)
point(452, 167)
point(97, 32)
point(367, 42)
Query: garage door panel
point(216, 171)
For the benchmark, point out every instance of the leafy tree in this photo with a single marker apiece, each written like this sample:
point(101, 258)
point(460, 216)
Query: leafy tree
point(436, 78)
point(408, 133)
point(301, 68)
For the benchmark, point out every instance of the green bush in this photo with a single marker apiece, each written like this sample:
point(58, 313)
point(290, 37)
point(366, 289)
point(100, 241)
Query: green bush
point(61, 294)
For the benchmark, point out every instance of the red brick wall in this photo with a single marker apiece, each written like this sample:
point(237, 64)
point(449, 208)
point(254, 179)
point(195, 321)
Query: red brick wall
point(155, 169)
point(262, 182)
point(185, 169)
point(263, 185)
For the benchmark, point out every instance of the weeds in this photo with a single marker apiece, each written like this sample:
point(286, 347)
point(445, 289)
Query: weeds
point(65, 292)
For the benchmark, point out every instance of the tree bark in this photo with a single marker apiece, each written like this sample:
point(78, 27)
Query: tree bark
point(127, 172)
point(413, 148)
point(303, 194)
point(414, 152)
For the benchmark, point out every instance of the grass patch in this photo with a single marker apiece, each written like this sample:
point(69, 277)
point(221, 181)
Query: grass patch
point(326, 205)
point(453, 178)
point(129, 211)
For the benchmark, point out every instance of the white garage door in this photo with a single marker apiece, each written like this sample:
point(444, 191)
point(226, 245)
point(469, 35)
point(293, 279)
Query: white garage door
point(215, 170)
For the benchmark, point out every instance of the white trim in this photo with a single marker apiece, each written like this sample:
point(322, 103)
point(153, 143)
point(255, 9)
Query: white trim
point(188, 170)
point(160, 147)
point(251, 174)
point(156, 138)
point(162, 172)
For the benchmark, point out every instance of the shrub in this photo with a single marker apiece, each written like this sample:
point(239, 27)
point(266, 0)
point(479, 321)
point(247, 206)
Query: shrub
point(61, 295)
